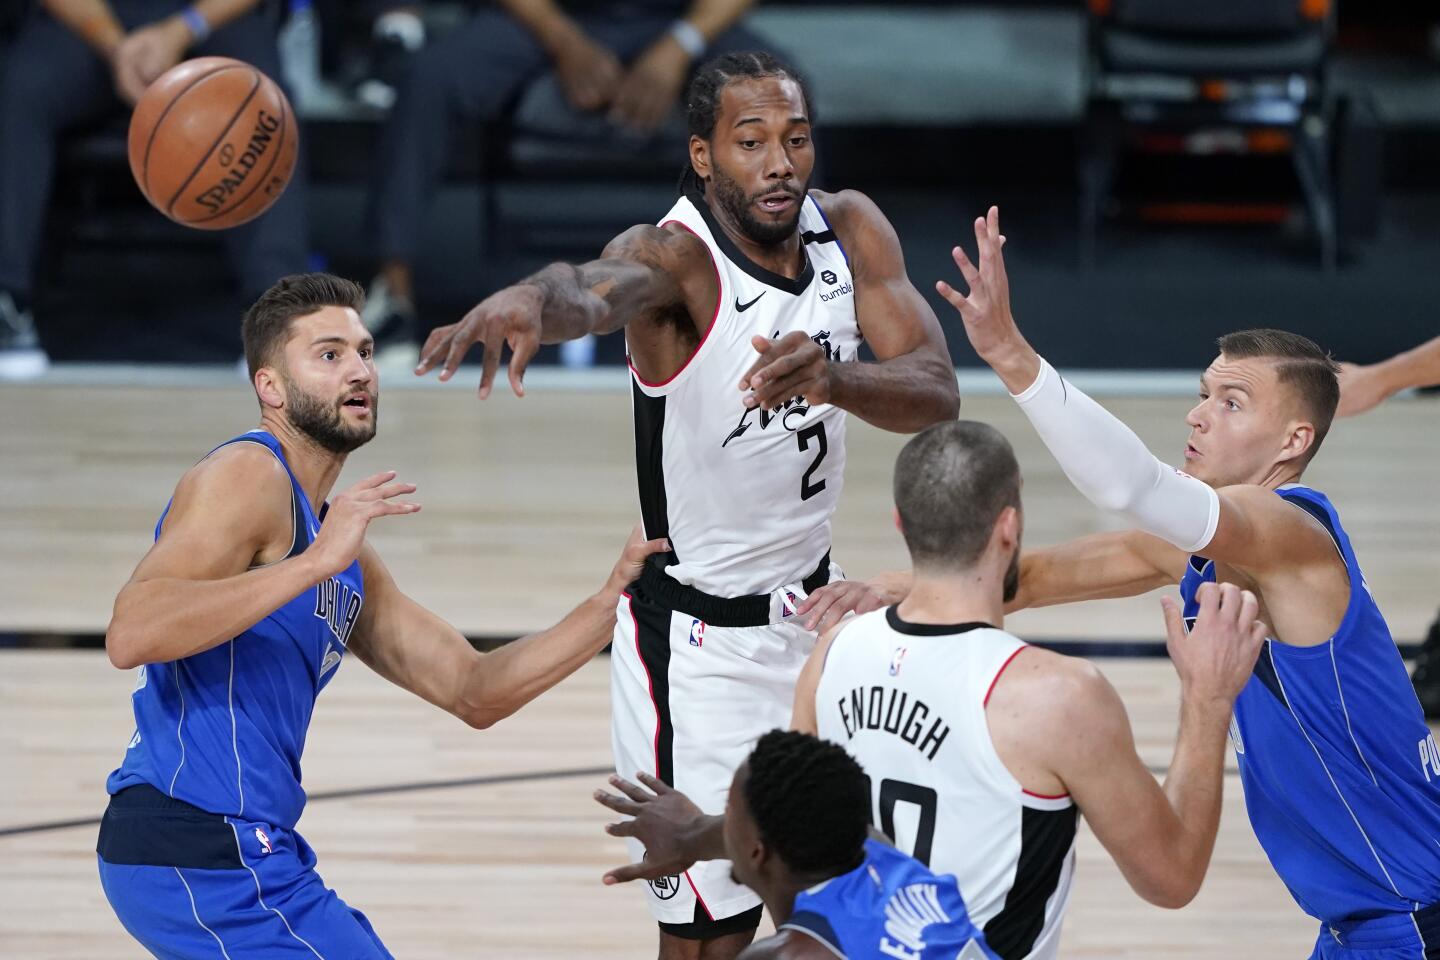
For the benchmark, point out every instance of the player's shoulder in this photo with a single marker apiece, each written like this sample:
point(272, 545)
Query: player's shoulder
point(671, 247)
point(1053, 690)
point(848, 209)
point(238, 478)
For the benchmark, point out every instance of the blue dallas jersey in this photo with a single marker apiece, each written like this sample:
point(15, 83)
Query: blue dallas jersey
point(223, 730)
point(1341, 774)
point(889, 906)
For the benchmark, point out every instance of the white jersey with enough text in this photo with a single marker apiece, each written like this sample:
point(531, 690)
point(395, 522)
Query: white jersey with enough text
point(908, 702)
point(746, 496)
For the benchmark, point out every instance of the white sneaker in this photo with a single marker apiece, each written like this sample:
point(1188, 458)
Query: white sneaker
point(21, 356)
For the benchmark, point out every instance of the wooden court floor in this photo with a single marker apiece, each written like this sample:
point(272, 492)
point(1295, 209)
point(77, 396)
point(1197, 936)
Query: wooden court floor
point(459, 843)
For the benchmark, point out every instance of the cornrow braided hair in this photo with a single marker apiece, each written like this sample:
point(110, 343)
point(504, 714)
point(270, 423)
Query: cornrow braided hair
point(702, 100)
point(811, 802)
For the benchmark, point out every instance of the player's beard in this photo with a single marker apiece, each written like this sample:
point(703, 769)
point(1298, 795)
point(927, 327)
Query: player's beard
point(324, 421)
point(1012, 578)
point(741, 208)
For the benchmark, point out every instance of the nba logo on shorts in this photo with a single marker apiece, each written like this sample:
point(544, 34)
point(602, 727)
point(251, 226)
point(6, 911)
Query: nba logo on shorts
point(264, 841)
point(697, 633)
point(896, 659)
point(789, 604)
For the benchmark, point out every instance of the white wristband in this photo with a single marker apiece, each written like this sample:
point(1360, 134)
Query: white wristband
point(691, 40)
point(1112, 468)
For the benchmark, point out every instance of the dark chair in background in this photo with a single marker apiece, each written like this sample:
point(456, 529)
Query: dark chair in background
point(1220, 76)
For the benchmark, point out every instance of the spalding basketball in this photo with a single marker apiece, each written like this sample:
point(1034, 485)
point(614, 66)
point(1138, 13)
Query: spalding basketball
point(213, 143)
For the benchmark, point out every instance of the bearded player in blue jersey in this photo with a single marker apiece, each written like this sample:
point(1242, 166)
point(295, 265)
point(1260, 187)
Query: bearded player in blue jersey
point(1341, 774)
point(255, 589)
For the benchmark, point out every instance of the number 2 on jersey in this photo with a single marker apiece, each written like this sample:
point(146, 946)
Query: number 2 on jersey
point(815, 431)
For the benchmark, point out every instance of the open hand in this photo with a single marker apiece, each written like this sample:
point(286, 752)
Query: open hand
point(348, 517)
point(989, 324)
point(511, 315)
point(826, 606)
point(661, 820)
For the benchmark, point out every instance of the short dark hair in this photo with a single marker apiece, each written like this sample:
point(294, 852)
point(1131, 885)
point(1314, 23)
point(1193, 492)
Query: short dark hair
point(702, 99)
point(1300, 364)
point(810, 801)
point(266, 325)
point(952, 481)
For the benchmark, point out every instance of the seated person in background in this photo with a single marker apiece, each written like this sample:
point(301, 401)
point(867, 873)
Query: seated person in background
point(72, 63)
point(630, 59)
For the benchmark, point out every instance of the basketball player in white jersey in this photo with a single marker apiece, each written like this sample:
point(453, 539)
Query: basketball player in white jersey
point(743, 314)
point(981, 749)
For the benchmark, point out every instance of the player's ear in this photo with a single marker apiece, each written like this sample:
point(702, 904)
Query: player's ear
point(1298, 440)
point(269, 389)
point(1007, 529)
point(898, 524)
point(700, 156)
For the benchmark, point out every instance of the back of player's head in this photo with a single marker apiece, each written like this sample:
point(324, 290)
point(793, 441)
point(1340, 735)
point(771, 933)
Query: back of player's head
point(952, 482)
point(702, 100)
point(266, 325)
point(1300, 365)
point(810, 802)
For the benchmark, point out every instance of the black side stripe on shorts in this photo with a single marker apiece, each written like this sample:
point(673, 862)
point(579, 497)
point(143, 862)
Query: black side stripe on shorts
point(1046, 837)
point(652, 636)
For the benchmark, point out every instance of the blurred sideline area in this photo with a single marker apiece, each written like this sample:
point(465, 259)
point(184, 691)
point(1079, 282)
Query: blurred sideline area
point(1162, 179)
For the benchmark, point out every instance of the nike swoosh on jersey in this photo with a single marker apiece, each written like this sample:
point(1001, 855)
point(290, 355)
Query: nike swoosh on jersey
point(742, 307)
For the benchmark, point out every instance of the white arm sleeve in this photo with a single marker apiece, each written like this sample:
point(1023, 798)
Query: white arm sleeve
point(1113, 469)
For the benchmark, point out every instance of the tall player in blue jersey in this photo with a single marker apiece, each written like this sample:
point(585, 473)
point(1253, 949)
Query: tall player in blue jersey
point(1341, 774)
point(237, 618)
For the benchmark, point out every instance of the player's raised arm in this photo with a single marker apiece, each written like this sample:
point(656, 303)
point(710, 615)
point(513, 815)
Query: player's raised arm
point(1072, 724)
point(1108, 463)
point(648, 275)
point(415, 649)
point(913, 384)
point(196, 588)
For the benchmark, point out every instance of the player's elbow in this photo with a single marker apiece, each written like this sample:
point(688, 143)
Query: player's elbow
point(121, 646)
point(1172, 891)
point(480, 719)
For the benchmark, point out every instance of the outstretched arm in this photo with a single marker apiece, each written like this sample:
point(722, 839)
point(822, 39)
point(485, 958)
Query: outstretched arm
point(1362, 388)
point(1061, 726)
point(648, 276)
point(417, 650)
point(913, 385)
point(1243, 525)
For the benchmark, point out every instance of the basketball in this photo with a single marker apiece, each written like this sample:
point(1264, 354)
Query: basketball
point(213, 143)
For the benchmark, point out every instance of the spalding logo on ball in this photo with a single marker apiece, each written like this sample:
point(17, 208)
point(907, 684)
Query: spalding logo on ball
point(213, 143)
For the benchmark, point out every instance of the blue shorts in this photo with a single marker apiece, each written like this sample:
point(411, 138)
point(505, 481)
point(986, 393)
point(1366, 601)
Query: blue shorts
point(1401, 936)
point(189, 884)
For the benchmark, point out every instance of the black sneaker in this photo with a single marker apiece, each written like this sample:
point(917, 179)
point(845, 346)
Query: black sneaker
point(21, 357)
point(1426, 676)
point(391, 321)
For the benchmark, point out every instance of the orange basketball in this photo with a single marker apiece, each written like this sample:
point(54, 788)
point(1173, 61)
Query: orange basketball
point(213, 143)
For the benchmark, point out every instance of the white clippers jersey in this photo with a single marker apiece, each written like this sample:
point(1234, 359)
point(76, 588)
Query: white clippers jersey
point(908, 702)
point(746, 496)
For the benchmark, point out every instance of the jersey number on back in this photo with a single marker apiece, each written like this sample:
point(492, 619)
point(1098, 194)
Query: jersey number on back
point(927, 802)
point(814, 432)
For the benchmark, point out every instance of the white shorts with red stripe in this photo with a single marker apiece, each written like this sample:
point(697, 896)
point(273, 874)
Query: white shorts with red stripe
point(689, 699)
